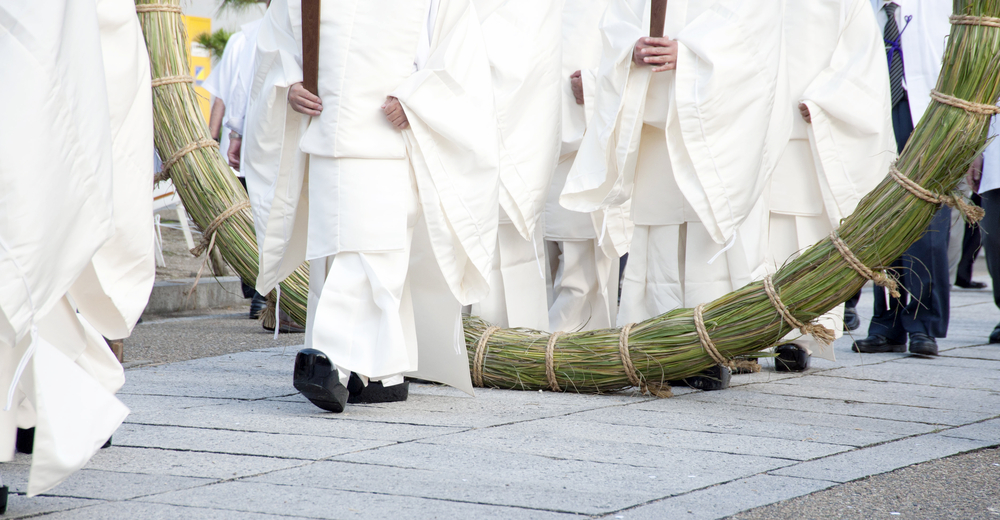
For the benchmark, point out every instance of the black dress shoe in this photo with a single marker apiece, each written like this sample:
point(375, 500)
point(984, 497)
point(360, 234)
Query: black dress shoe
point(25, 441)
point(107, 444)
point(318, 380)
point(995, 335)
point(257, 306)
point(791, 358)
point(3, 499)
point(922, 344)
point(374, 392)
point(877, 343)
point(851, 319)
point(971, 284)
point(714, 378)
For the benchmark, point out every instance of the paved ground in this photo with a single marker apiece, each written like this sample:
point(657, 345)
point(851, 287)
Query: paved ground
point(227, 437)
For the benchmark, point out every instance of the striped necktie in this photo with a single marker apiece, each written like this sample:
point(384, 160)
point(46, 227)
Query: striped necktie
point(894, 52)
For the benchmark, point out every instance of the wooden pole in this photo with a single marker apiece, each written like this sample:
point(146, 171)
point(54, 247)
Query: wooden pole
point(310, 45)
point(657, 15)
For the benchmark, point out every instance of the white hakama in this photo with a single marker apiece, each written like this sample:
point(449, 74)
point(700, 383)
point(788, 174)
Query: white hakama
point(583, 269)
point(836, 61)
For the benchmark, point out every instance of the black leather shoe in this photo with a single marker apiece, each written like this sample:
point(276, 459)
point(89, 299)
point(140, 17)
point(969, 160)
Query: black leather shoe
point(971, 284)
point(107, 444)
point(3, 499)
point(25, 440)
point(851, 319)
point(877, 343)
point(791, 358)
point(375, 392)
point(715, 378)
point(257, 306)
point(922, 344)
point(317, 379)
point(995, 335)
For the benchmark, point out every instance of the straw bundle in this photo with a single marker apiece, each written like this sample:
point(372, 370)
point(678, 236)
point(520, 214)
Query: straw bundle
point(682, 342)
point(210, 192)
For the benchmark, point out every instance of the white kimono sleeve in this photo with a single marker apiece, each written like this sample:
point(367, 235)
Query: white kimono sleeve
point(521, 37)
point(851, 132)
point(451, 143)
point(274, 166)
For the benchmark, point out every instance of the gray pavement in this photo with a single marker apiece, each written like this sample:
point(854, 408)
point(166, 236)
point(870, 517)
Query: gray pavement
point(227, 437)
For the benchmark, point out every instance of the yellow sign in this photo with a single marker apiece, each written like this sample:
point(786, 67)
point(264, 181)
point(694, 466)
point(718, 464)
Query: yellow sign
point(201, 60)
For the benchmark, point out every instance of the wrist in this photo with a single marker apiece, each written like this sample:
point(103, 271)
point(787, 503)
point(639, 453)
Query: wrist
point(234, 136)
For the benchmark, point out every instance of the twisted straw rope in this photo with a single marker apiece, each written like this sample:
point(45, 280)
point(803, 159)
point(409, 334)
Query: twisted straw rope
point(158, 8)
point(706, 341)
point(971, 212)
point(550, 361)
point(208, 237)
point(988, 21)
point(164, 174)
point(170, 80)
point(879, 278)
point(968, 106)
point(477, 365)
point(661, 390)
point(821, 333)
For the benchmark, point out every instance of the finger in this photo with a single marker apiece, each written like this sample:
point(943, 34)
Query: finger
point(668, 66)
point(576, 74)
point(650, 51)
point(657, 42)
point(310, 105)
point(659, 60)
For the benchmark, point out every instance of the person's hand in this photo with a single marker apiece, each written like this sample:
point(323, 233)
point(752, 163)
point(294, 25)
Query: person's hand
point(804, 110)
point(303, 101)
point(394, 113)
point(661, 53)
point(975, 174)
point(233, 154)
point(576, 83)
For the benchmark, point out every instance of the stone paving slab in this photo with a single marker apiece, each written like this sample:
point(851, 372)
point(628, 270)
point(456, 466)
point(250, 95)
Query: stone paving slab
point(749, 424)
point(749, 396)
point(729, 498)
point(297, 417)
point(564, 484)
point(326, 503)
point(207, 440)
point(883, 458)
point(20, 506)
point(151, 511)
point(885, 392)
point(597, 440)
point(104, 485)
point(185, 463)
point(817, 416)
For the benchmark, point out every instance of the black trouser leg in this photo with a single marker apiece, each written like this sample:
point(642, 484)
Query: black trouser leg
point(248, 289)
point(971, 244)
point(991, 238)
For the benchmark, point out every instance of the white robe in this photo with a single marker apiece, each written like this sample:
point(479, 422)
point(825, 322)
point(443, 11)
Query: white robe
point(221, 82)
point(584, 268)
point(692, 149)
point(76, 261)
point(521, 41)
point(449, 150)
point(839, 71)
